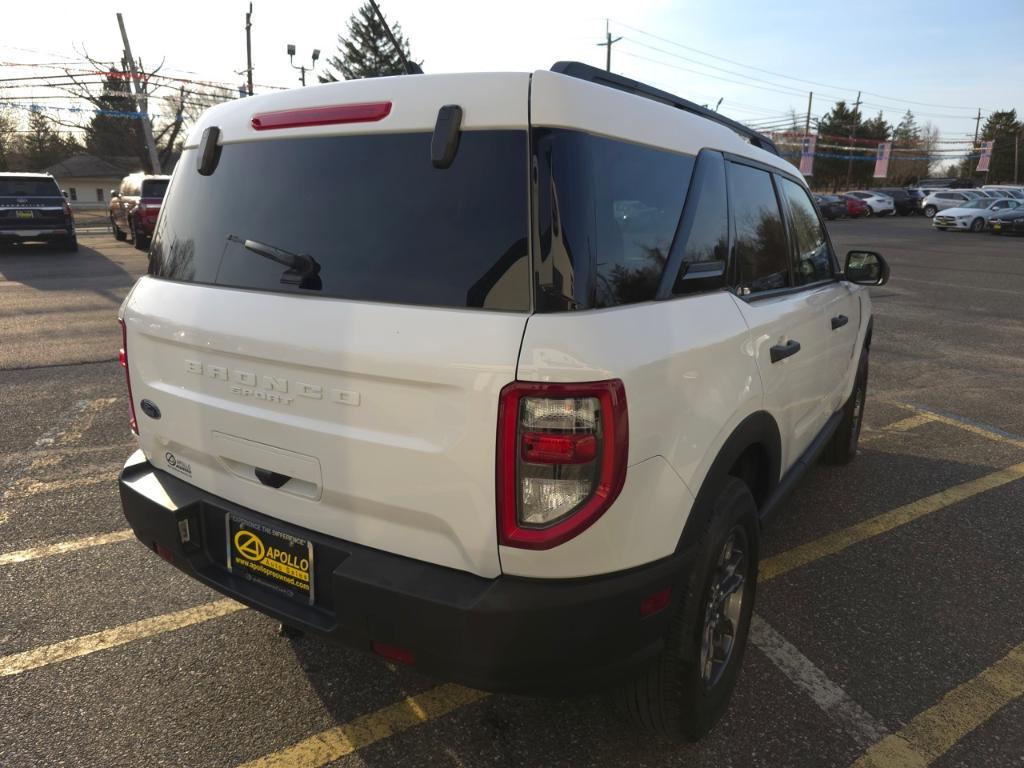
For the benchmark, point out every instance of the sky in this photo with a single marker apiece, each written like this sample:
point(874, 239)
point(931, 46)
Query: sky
point(760, 59)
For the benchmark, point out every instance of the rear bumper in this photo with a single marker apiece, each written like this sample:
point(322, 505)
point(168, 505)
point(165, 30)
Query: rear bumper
point(505, 634)
point(51, 233)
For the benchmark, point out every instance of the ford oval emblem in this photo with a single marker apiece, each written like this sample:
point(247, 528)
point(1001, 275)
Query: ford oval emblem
point(149, 408)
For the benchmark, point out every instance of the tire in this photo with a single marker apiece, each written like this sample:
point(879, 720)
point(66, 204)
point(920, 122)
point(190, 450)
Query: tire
point(843, 446)
point(977, 225)
point(118, 234)
point(141, 242)
point(685, 691)
point(70, 244)
point(868, 212)
point(929, 211)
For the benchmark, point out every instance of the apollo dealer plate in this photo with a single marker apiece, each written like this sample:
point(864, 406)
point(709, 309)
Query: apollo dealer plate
point(274, 559)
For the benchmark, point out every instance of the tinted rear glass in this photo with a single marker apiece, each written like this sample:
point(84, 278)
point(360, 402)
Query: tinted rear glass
point(28, 187)
point(370, 212)
point(607, 212)
point(154, 187)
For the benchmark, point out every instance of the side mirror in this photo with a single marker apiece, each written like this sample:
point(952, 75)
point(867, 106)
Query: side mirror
point(65, 193)
point(866, 268)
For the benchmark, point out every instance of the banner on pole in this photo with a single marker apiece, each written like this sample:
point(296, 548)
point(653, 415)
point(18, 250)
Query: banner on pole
point(807, 155)
point(882, 160)
point(986, 156)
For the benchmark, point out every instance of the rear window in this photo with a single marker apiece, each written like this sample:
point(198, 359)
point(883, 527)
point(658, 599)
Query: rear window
point(154, 187)
point(28, 187)
point(355, 217)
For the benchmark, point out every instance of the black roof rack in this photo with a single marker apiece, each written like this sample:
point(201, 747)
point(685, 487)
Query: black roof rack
point(600, 77)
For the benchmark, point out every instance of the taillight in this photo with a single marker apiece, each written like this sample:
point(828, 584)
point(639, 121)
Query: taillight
point(67, 211)
point(562, 451)
point(122, 358)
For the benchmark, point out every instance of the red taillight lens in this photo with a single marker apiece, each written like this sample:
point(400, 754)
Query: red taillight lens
point(562, 451)
point(340, 113)
point(393, 653)
point(122, 358)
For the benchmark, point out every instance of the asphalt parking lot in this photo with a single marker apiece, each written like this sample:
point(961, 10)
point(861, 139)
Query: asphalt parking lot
point(890, 627)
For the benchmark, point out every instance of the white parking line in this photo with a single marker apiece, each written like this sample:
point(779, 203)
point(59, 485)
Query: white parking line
point(831, 698)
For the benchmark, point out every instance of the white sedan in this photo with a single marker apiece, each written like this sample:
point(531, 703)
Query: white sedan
point(973, 215)
point(878, 204)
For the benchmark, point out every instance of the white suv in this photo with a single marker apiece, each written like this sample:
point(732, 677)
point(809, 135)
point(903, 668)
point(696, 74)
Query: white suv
point(497, 375)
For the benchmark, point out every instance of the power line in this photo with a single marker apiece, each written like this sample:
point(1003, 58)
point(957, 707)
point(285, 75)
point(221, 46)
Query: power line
point(788, 77)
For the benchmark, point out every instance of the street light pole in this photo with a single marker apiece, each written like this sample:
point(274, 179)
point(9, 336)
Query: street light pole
point(302, 67)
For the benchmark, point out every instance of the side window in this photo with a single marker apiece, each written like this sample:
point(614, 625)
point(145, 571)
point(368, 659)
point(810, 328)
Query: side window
point(762, 252)
point(72, 193)
point(707, 241)
point(638, 199)
point(813, 256)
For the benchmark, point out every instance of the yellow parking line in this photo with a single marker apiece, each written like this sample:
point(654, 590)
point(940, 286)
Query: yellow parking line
point(26, 488)
point(967, 426)
point(341, 740)
point(903, 425)
point(111, 638)
point(933, 732)
point(840, 540)
point(60, 548)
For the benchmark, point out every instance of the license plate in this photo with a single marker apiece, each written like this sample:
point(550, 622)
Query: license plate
point(271, 558)
point(997, 227)
point(24, 214)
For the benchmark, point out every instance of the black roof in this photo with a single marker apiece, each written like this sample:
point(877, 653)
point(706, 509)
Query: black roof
point(601, 77)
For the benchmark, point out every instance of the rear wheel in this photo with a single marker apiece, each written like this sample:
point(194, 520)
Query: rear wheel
point(140, 241)
point(868, 211)
point(929, 211)
point(71, 243)
point(843, 446)
point(687, 688)
point(977, 225)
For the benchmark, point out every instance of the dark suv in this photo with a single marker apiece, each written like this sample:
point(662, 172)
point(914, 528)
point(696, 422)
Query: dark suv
point(135, 206)
point(33, 208)
point(903, 201)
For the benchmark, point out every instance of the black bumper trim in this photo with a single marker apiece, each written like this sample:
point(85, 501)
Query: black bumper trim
point(508, 634)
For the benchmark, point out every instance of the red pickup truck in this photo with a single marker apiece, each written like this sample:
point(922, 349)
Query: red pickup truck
point(135, 206)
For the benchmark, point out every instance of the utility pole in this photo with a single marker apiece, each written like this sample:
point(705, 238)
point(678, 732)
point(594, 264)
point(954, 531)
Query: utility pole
point(140, 100)
point(608, 42)
point(248, 47)
point(1016, 156)
point(807, 122)
point(853, 133)
point(977, 125)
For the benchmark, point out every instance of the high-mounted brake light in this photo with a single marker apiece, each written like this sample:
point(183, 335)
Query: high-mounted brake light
point(122, 358)
point(562, 451)
point(369, 112)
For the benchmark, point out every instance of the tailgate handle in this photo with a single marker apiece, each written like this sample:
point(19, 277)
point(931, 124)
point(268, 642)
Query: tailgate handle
point(271, 478)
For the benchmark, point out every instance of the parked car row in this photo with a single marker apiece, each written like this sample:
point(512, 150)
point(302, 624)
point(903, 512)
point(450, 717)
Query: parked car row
point(960, 208)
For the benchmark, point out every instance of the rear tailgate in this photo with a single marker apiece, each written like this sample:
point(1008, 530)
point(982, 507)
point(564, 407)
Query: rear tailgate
point(366, 378)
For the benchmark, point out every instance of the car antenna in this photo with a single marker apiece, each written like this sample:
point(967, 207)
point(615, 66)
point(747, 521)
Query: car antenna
point(411, 67)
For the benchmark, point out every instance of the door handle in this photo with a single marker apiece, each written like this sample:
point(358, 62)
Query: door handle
point(839, 321)
point(782, 351)
point(268, 477)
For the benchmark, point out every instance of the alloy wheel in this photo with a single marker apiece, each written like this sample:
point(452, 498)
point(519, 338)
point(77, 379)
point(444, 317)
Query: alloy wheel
point(724, 608)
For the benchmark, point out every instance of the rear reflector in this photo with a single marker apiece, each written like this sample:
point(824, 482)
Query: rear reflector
point(369, 112)
point(164, 552)
point(655, 603)
point(393, 653)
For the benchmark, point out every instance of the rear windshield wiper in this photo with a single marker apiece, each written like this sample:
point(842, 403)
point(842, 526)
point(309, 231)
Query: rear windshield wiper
point(302, 268)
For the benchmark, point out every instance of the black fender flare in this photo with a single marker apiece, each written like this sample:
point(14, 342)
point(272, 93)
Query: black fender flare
point(758, 428)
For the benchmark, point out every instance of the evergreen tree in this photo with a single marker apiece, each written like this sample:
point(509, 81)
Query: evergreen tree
point(367, 51)
point(1002, 128)
point(42, 146)
point(112, 135)
point(830, 164)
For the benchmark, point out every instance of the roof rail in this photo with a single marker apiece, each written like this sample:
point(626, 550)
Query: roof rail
point(600, 77)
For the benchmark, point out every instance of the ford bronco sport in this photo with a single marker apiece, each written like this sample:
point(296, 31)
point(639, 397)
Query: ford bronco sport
point(497, 375)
